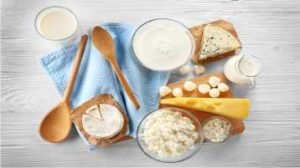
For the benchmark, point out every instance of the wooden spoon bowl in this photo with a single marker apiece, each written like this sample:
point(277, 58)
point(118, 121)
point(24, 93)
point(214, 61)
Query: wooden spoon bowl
point(56, 124)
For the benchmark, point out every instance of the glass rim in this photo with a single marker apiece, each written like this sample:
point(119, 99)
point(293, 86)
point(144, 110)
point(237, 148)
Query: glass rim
point(257, 60)
point(53, 7)
point(181, 110)
point(169, 19)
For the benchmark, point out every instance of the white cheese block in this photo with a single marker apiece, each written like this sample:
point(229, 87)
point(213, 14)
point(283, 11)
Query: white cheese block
point(102, 121)
point(217, 41)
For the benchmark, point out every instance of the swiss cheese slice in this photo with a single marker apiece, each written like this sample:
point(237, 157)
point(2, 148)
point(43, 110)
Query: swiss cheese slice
point(102, 121)
point(217, 41)
point(229, 107)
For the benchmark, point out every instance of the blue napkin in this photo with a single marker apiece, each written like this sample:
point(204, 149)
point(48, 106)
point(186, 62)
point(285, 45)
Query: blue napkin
point(97, 77)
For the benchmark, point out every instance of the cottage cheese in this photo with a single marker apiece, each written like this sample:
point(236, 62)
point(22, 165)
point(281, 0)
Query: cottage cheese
point(168, 133)
point(217, 130)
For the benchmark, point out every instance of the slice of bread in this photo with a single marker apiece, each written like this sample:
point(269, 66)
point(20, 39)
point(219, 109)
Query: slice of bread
point(214, 41)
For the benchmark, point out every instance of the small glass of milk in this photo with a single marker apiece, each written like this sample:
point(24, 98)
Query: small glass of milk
point(242, 69)
point(57, 24)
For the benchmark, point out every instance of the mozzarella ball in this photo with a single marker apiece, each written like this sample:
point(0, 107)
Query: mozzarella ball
point(189, 86)
point(214, 92)
point(177, 92)
point(203, 88)
point(185, 69)
point(214, 81)
point(164, 91)
point(199, 69)
point(223, 87)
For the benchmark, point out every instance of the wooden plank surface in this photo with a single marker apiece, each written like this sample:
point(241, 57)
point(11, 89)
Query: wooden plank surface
point(269, 29)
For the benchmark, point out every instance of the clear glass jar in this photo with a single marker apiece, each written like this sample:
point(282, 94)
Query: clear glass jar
point(242, 69)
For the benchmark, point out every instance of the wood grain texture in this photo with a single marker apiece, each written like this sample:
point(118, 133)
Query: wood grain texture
point(267, 29)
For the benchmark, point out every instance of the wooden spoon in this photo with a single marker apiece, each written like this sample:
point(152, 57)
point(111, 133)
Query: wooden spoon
point(56, 125)
point(105, 44)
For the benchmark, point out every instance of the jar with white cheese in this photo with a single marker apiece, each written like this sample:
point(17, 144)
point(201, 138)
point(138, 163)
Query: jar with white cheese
point(217, 129)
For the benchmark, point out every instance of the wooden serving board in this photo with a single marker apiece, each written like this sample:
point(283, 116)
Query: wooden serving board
point(238, 125)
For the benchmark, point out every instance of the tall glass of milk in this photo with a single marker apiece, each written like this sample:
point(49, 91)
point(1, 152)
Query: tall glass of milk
point(57, 24)
point(242, 69)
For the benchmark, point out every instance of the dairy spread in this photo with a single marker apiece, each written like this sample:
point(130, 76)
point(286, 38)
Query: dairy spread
point(163, 44)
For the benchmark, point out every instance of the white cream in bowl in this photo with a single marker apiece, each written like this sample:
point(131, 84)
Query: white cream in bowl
point(163, 44)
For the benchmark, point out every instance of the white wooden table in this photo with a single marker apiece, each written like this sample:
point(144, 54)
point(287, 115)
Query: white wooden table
point(268, 29)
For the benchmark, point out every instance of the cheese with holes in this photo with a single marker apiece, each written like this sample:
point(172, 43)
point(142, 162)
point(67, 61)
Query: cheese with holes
point(229, 107)
point(217, 41)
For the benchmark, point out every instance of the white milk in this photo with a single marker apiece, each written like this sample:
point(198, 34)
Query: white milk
point(57, 24)
point(163, 44)
point(242, 69)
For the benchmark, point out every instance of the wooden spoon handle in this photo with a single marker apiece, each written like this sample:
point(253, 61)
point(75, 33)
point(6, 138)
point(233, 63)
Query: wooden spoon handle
point(125, 84)
point(78, 58)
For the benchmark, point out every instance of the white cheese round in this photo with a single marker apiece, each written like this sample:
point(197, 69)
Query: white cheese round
point(102, 121)
point(214, 92)
point(203, 88)
point(177, 92)
point(189, 86)
point(223, 87)
point(184, 70)
point(199, 69)
point(214, 81)
point(164, 91)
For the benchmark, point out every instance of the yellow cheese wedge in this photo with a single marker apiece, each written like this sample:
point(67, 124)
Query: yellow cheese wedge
point(229, 107)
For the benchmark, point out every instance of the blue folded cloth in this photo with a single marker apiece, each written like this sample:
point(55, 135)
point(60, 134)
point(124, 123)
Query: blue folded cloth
point(97, 77)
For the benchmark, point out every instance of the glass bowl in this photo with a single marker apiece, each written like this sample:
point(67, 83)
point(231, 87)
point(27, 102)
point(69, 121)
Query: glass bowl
point(187, 152)
point(140, 31)
point(230, 132)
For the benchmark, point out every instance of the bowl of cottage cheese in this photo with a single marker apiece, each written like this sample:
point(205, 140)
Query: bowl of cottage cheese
point(170, 135)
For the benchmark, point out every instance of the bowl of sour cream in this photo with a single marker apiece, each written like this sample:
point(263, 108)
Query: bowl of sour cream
point(163, 44)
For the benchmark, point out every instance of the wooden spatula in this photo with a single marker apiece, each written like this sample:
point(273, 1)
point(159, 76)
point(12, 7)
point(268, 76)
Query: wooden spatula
point(105, 44)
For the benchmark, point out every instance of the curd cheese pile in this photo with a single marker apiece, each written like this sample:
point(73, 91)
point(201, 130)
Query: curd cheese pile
point(217, 130)
point(167, 133)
